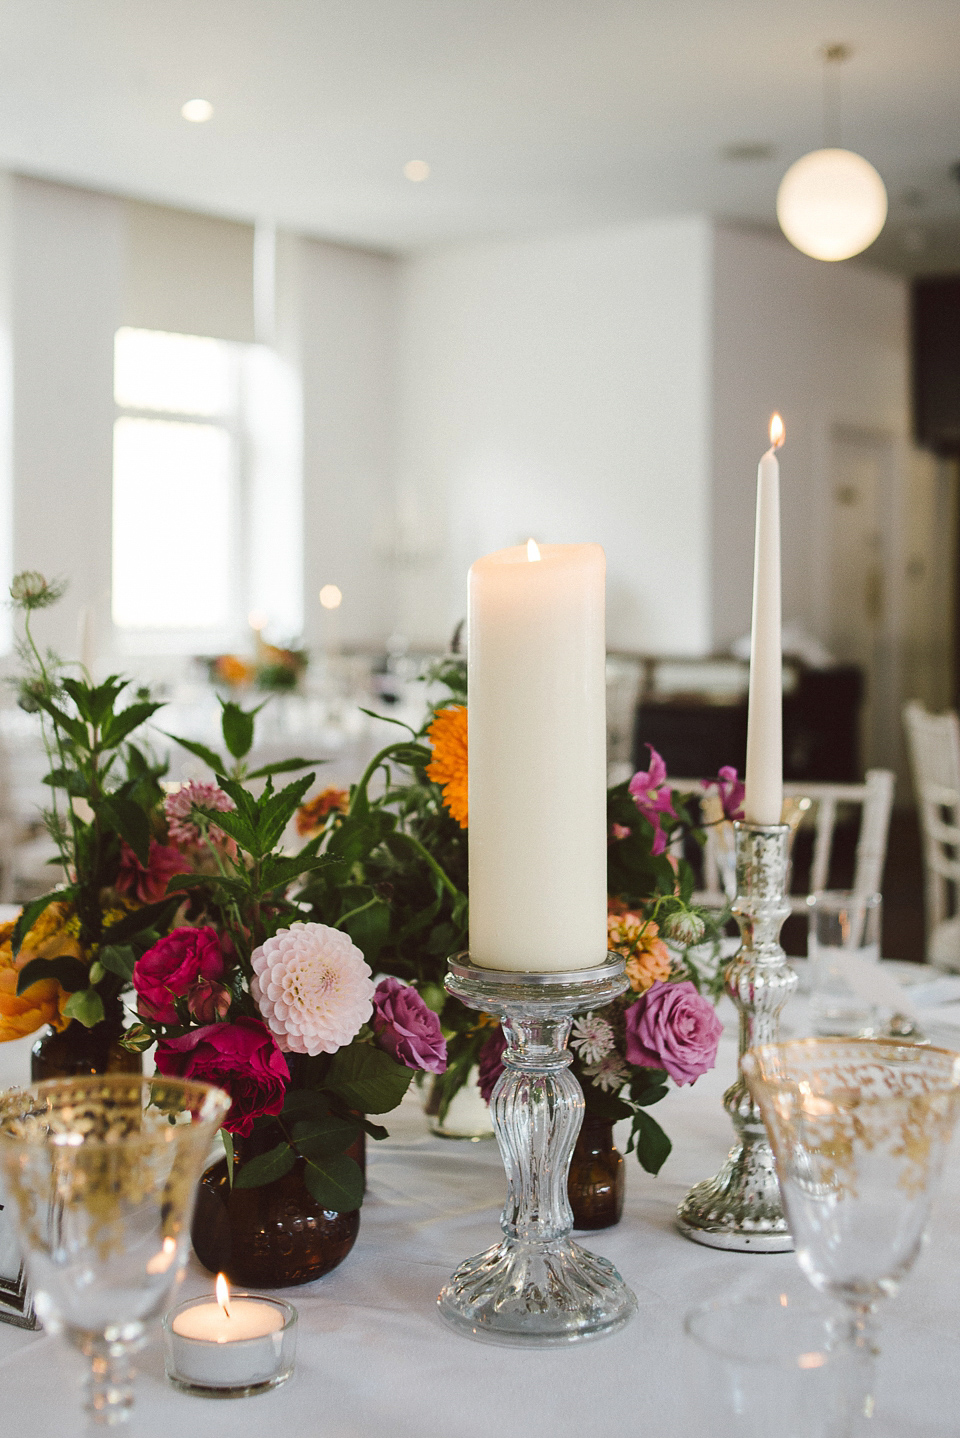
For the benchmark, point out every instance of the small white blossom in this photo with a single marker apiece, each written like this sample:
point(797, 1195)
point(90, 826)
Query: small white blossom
point(610, 1073)
point(684, 928)
point(592, 1038)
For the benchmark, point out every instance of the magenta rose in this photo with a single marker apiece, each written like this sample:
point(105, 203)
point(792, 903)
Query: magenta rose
point(490, 1063)
point(170, 969)
point(408, 1030)
point(241, 1058)
point(149, 884)
point(673, 1027)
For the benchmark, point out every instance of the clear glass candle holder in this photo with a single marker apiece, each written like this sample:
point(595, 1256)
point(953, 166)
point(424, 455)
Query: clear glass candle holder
point(234, 1368)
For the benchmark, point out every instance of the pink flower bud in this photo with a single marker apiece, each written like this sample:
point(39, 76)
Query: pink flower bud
point(209, 1001)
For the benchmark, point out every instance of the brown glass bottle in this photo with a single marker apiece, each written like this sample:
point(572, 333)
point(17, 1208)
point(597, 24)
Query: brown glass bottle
point(79, 1050)
point(598, 1179)
point(274, 1236)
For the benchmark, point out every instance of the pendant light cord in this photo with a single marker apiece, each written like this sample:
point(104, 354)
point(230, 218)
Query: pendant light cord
point(833, 57)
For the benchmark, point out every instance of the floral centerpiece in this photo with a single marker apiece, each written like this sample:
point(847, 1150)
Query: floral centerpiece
point(249, 993)
point(402, 895)
point(59, 963)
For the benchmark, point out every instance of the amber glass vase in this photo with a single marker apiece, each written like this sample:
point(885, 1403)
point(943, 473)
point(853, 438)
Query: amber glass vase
point(274, 1236)
point(78, 1050)
point(598, 1177)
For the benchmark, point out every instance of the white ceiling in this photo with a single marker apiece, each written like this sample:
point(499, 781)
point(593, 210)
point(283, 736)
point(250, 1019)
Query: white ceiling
point(533, 114)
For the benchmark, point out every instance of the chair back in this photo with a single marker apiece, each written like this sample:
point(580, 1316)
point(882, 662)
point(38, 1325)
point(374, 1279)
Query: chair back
point(818, 803)
point(933, 741)
point(939, 807)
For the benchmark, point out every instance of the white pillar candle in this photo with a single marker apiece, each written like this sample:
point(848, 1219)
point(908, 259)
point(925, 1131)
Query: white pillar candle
point(763, 800)
point(537, 758)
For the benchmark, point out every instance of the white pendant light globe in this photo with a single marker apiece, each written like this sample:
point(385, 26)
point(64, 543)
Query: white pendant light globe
point(831, 204)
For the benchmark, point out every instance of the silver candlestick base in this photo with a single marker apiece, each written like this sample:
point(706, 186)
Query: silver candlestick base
point(536, 1287)
point(741, 1207)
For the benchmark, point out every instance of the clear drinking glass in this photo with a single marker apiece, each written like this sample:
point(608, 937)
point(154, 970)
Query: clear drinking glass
point(843, 944)
point(774, 1366)
point(860, 1129)
point(99, 1173)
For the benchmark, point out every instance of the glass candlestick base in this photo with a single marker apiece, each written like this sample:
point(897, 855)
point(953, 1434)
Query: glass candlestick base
point(741, 1207)
point(536, 1287)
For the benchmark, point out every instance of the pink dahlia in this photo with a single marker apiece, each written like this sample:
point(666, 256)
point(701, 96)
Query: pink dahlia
point(313, 988)
point(178, 808)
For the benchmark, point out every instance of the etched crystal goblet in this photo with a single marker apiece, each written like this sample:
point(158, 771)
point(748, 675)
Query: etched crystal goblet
point(99, 1173)
point(860, 1129)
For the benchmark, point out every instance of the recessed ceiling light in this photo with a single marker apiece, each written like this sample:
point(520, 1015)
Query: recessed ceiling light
point(417, 170)
point(197, 111)
point(330, 597)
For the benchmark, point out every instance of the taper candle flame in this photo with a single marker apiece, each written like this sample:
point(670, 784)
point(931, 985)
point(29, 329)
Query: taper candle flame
point(223, 1294)
point(533, 550)
point(777, 431)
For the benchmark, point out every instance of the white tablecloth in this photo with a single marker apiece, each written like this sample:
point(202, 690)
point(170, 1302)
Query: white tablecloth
point(375, 1359)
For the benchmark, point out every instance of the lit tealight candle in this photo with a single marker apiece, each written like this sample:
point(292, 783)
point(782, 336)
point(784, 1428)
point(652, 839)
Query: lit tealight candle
point(232, 1345)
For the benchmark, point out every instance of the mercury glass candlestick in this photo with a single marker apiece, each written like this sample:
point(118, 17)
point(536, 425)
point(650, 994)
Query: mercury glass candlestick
point(741, 1207)
point(536, 1287)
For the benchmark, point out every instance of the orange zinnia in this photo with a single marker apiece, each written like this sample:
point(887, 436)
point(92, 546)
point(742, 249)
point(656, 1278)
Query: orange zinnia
point(448, 767)
point(40, 1004)
point(312, 814)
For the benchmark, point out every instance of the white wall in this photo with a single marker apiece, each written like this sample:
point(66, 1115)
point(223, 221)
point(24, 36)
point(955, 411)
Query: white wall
point(559, 388)
point(347, 321)
point(66, 287)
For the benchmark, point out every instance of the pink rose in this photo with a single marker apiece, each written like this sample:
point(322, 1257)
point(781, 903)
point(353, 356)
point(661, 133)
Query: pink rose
point(408, 1030)
point(148, 884)
point(240, 1058)
point(171, 967)
point(673, 1027)
point(208, 1001)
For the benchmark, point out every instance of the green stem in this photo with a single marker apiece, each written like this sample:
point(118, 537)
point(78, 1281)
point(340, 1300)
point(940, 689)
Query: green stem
point(38, 657)
point(352, 913)
point(431, 862)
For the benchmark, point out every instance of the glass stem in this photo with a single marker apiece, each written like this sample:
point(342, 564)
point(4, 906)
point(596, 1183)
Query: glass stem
point(859, 1394)
point(109, 1383)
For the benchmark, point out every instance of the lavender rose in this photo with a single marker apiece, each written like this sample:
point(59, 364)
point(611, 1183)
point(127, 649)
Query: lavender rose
point(408, 1030)
point(169, 969)
point(673, 1027)
point(241, 1058)
point(490, 1064)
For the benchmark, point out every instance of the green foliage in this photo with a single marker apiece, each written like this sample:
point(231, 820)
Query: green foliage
point(368, 1079)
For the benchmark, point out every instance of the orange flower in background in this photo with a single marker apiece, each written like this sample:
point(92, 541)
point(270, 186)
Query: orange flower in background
point(41, 1003)
point(448, 767)
point(233, 670)
point(310, 816)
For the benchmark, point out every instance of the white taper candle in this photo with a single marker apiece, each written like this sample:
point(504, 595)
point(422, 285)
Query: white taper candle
point(763, 801)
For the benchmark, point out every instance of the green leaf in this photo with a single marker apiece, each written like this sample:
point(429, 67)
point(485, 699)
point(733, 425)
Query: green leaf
point(234, 825)
point(118, 726)
point(652, 1095)
point(237, 726)
point(86, 1006)
point(226, 1138)
point(373, 1130)
point(130, 822)
point(118, 959)
point(305, 1103)
point(284, 766)
point(31, 912)
point(368, 927)
point(335, 1183)
point(367, 1078)
point(266, 1167)
point(317, 1139)
point(75, 728)
point(653, 1146)
point(70, 973)
point(151, 916)
point(70, 779)
point(200, 750)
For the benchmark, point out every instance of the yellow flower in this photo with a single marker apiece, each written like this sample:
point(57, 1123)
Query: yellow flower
point(448, 736)
point(42, 1003)
point(53, 934)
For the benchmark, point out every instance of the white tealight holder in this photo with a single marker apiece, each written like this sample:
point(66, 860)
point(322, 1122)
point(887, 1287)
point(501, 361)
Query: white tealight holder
point(233, 1352)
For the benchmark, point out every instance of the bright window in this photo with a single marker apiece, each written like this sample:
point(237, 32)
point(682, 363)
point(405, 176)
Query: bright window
point(176, 486)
